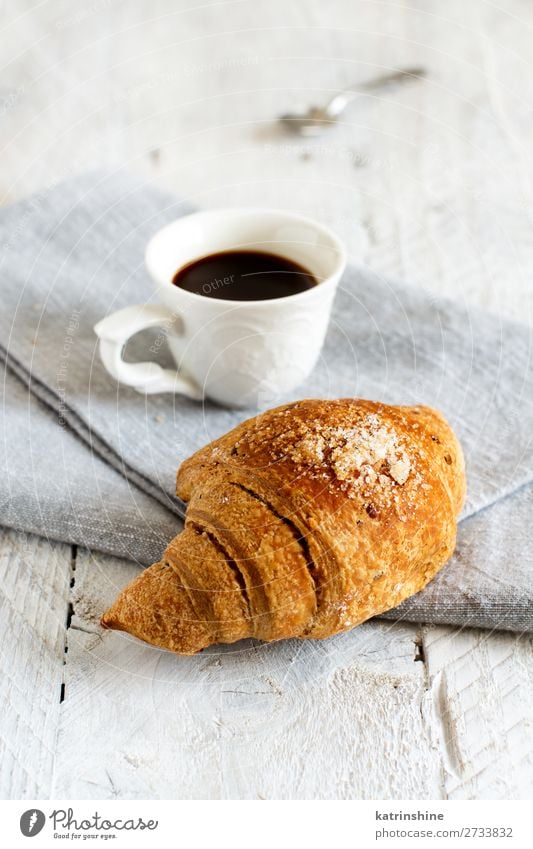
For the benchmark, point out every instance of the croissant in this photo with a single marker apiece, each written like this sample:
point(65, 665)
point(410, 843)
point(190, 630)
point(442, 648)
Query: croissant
point(302, 522)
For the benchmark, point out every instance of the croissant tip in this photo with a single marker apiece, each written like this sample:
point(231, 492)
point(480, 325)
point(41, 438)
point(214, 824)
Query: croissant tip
point(108, 621)
point(138, 611)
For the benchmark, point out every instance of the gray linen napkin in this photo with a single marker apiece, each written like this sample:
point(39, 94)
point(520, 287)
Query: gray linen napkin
point(52, 485)
point(104, 457)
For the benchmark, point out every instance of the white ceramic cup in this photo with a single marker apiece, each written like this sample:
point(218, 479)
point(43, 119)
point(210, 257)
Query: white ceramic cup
point(239, 353)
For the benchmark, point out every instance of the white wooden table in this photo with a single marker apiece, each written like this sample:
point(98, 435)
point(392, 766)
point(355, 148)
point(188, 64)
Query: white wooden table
point(431, 184)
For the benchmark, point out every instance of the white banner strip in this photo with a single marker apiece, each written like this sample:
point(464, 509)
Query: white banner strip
point(267, 825)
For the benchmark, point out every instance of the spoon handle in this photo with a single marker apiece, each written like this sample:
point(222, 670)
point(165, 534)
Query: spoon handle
point(338, 103)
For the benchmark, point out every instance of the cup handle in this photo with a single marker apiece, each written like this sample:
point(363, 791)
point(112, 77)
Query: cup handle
point(148, 378)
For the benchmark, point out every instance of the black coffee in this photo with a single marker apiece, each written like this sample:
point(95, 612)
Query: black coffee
point(244, 276)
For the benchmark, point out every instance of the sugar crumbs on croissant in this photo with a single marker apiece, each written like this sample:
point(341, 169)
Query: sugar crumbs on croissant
point(302, 522)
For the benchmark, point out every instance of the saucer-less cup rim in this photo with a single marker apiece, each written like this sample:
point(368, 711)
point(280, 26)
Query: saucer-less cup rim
point(337, 249)
point(115, 329)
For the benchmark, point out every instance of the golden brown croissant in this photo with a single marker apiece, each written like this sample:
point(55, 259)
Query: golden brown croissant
point(302, 522)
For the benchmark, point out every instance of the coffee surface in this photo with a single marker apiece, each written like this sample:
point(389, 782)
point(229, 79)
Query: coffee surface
point(244, 276)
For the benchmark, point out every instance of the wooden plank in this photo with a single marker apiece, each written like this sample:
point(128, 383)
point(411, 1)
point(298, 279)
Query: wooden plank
point(33, 601)
point(334, 719)
point(481, 696)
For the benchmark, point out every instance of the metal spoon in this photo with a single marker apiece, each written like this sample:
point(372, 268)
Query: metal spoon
point(318, 118)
